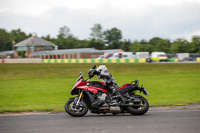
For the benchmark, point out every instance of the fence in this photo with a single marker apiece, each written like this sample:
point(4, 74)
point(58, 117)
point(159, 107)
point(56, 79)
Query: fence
point(24, 60)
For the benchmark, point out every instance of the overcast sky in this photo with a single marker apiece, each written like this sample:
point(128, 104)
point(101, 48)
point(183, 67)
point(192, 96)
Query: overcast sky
point(137, 19)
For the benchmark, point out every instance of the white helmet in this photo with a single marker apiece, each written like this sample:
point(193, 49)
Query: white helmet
point(102, 68)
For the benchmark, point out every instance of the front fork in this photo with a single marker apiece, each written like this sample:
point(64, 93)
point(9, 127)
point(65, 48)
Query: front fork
point(79, 98)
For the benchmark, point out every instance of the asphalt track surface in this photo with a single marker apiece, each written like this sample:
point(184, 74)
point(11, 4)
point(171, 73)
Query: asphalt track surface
point(156, 120)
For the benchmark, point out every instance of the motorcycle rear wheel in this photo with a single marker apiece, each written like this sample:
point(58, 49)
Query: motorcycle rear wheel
point(138, 110)
point(76, 111)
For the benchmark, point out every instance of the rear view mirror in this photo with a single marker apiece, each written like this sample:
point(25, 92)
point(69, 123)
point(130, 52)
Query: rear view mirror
point(94, 67)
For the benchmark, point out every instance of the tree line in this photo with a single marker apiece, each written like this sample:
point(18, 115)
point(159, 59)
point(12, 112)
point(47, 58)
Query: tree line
point(104, 39)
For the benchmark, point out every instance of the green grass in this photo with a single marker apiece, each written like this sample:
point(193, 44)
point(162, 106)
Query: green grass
point(46, 87)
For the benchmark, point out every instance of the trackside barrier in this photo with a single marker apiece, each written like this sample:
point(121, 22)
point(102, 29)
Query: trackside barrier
point(168, 60)
point(172, 60)
point(142, 60)
point(39, 60)
point(198, 59)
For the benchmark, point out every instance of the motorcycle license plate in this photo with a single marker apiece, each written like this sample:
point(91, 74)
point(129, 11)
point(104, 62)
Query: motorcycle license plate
point(146, 92)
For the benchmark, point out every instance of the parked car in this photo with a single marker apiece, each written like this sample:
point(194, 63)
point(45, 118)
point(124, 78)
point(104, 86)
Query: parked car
point(187, 59)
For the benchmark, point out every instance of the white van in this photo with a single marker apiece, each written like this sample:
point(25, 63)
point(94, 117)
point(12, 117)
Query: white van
point(158, 56)
point(182, 56)
point(142, 55)
point(126, 55)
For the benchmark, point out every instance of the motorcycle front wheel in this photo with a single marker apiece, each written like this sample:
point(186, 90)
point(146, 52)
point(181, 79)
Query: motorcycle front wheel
point(76, 110)
point(138, 110)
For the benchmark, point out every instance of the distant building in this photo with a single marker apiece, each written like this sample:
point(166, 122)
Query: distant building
point(112, 51)
point(80, 53)
point(31, 45)
point(35, 47)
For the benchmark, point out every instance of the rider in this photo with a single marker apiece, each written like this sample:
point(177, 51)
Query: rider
point(102, 72)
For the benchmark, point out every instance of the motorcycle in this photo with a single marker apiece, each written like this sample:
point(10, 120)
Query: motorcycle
point(98, 98)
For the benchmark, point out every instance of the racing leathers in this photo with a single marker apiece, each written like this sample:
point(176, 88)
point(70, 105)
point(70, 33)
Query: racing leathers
point(108, 79)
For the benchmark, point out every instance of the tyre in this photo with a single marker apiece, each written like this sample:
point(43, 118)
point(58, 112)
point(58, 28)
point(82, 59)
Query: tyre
point(138, 110)
point(76, 111)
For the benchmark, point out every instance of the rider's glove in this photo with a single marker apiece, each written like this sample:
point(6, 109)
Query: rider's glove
point(96, 72)
point(92, 72)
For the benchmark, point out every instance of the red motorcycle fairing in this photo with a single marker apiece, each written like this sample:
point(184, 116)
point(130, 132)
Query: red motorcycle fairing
point(80, 83)
point(124, 86)
point(83, 85)
point(91, 89)
point(102, 83)
point(96, 89)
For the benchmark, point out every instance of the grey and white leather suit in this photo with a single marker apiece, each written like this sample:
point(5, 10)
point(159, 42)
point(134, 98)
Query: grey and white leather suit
point(108, 79)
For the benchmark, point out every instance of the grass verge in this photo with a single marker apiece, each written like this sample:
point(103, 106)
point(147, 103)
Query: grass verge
point(46, 87)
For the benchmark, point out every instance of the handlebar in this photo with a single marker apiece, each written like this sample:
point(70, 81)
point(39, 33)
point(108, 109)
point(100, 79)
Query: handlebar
point(136, 81)
point(92, 72)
